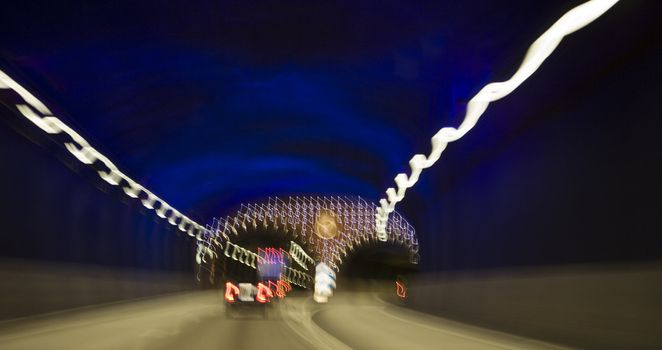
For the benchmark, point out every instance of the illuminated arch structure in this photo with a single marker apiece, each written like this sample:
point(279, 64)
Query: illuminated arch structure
point(329, 228)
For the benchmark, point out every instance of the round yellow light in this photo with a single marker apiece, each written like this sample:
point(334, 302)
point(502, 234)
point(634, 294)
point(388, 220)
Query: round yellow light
point(326, 225)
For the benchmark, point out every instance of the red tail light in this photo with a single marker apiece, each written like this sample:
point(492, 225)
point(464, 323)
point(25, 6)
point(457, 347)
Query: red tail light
point(282, 288)
point(230, 291)
point(285, 285)
point(274, 288)
point(263, 293)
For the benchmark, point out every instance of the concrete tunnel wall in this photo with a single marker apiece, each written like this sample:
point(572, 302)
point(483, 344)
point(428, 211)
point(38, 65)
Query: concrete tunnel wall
point(32, 288)
point(586, 306)
point(67, 241)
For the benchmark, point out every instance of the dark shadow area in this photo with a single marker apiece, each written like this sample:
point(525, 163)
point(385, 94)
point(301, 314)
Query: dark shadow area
point(377, 261)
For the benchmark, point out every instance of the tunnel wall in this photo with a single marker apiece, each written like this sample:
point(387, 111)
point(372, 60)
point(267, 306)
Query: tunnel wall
point(587, 306)
point(57, 209)
point(32, 288)
point(564, 170)
point(68, 240)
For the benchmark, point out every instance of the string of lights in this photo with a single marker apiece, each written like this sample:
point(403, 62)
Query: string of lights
point(299, 255)
point(251, 259)
point(240, 254)
point(297, 277)
point(36, 112)
point(570, 22)
point(330, 226)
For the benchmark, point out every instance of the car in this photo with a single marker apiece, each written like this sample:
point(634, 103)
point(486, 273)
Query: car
point(245, 296)
point(269, 273)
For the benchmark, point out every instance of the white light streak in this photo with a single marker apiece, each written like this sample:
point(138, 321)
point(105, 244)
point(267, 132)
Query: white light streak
point(297, 277)
point(250, 259)
point(299, 255)
point(202, 251)
point(573, 20)
point(297, 215)
point(37, 113)
point(325, 283)
point(240, 254)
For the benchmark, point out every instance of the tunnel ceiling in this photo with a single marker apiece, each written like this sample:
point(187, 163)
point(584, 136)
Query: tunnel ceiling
point(210, 104)
point(215, 103)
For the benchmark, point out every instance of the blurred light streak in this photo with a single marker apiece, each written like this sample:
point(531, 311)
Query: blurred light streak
point(299, 255)
point(296, 277)
point(252, 259)
point(202, 251)
point(230, 291)
point(325, 282)
point(37, 113)
point(400, 290)
point(571, 21)
point(263, 293)
point(241, 255)
point(247, 292)
point(281, 288)
point(298, 215)
point(276, 289)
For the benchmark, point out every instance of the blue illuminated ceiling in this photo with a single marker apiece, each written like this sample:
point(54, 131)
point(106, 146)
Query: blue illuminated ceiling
point(212, 103)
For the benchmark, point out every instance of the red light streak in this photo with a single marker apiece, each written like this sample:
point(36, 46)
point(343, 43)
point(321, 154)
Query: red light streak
point(400, 290)
point(285, 285)
point(263, 293)
point(230, 291)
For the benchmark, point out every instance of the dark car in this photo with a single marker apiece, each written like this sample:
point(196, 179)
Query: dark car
point(246, 296)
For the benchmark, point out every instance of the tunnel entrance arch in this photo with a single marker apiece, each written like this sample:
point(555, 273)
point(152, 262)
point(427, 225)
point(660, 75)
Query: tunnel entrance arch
point(328, 228)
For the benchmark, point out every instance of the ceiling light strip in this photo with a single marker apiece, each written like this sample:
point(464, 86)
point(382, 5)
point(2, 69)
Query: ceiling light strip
point(37, 113)
point(573, 20)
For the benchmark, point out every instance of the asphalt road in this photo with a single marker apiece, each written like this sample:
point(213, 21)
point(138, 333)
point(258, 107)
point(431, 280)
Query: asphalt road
point(198, 320)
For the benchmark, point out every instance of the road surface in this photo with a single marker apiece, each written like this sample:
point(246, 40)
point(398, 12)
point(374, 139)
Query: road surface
point(197, 320)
